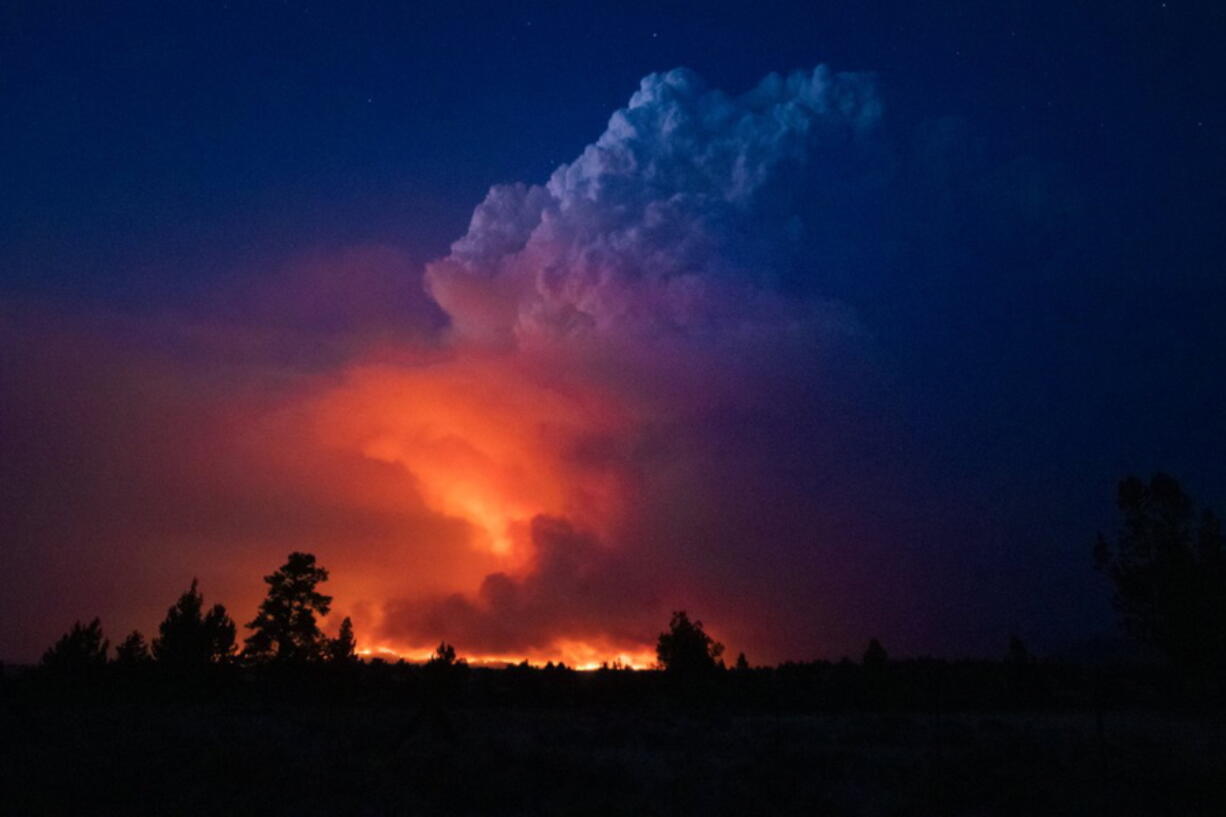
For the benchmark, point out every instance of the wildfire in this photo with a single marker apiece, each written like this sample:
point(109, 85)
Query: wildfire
point(575, 654)
point(480, 442)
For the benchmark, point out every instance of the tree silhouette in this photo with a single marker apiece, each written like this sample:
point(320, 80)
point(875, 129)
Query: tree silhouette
point(132, 651)
point(221, 631)
point(742, 663)
point(343, 648)
point(81, 649)
point(1168, 572)
point(1018, 655)
point(190, 637)
point(875, 654)
point(286, 628)
point(686, 649)
point(1021, 674)
point(443, 676)
point(444, 656)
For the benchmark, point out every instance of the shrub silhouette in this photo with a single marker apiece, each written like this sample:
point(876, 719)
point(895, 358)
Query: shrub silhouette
point(686, 649)
point(81, 649)
point(286, 628)
point(133, 651)
point(190, 637)
point(1168, 572)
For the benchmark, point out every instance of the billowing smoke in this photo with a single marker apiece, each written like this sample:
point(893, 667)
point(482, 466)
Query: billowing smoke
point(641, 394)
point(660, 303)
point(683, 217)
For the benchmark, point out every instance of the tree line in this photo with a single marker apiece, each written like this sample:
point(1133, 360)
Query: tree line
point(285, 630)
point(1165, 564)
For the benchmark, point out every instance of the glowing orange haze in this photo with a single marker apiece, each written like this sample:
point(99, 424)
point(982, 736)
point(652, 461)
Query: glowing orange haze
point(414, 469)
point(475, 437)
point(483, 442)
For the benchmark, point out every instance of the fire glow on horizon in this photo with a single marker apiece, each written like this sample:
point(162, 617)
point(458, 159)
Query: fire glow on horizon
point(482, 443)
point(602, 329)
point(584, 418)
point(575, 655)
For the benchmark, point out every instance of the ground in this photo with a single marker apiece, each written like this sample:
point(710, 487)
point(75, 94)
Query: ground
point(210, 758)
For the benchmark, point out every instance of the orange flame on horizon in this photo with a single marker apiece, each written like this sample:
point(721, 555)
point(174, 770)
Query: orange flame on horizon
point(578, 655)
point(476, 440)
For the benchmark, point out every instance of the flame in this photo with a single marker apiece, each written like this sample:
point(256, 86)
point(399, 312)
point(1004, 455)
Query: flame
point(580, 655)
point(473, 440)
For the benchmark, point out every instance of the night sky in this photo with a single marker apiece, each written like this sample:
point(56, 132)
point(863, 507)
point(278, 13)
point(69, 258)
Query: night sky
point(537, 322)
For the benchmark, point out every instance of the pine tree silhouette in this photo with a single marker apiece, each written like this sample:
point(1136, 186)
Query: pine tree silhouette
point(343, 648)
point(190, 637)
point(686, 649)
point(286, 628)
point(81, 649)
point(133, 651)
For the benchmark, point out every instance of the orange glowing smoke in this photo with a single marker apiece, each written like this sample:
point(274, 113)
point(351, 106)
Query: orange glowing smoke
point(480, 440)
point(484, 443)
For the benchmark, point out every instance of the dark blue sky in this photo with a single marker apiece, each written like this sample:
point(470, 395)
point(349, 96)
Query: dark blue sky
point(206, 133)
point(1039, 262)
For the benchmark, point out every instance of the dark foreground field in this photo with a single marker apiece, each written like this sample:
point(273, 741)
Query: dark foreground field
point(209, 757)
